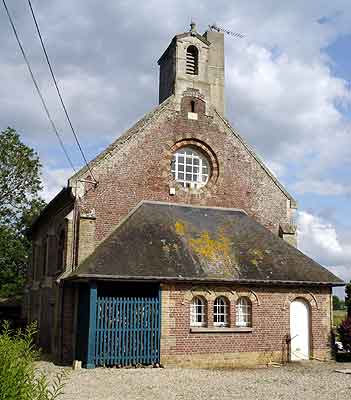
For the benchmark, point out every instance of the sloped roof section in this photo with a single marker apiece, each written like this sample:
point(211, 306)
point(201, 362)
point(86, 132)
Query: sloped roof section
point(175, 242)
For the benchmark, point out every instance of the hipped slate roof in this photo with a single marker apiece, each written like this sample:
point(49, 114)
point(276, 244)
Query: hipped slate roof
point(173, 242)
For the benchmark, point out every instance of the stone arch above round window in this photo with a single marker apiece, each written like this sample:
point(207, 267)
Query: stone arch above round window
point(193, 164)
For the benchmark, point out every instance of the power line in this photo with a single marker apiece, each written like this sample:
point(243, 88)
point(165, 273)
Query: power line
point(58, 90)
point(37, 87)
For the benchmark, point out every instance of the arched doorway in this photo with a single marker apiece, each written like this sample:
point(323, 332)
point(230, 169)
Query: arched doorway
point(300, 330)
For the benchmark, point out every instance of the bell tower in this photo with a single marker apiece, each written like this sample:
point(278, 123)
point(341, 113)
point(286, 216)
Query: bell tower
point(194, 61)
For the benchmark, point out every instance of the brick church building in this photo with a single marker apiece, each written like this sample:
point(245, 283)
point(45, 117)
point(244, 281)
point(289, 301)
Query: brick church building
point(183, 251)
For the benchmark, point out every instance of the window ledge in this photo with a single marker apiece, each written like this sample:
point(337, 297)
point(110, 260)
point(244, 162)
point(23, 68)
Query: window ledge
point(219, 329)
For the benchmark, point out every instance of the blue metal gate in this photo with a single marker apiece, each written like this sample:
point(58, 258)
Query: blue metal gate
point(127, 330)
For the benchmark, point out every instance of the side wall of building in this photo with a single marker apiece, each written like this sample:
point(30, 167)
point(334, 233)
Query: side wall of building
point(52, 255)
point(267, 341)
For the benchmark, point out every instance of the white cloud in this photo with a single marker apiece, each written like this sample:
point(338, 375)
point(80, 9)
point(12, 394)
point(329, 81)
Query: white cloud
point(317, 234)
point(285, 105)
point(323, 188)
point(53, 181)
point(320, 240)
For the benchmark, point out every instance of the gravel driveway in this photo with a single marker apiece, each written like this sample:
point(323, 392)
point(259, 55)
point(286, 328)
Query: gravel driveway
point(310, 380)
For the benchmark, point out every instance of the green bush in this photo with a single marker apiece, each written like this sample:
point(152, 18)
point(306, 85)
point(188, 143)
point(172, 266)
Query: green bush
point(344, 331)
point(19, 379)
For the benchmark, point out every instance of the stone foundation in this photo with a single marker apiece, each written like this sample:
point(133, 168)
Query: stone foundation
point(222, 360)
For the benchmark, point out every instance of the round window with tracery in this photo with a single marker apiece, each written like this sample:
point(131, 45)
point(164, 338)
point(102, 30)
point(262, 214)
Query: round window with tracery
point(190, 168)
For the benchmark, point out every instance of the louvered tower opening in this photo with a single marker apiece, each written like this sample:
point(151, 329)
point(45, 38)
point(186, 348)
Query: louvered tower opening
point(192, 60)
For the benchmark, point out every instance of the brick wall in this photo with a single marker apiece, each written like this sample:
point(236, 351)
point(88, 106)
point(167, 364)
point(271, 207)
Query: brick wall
point(270, 326)
point(42, 291)
point(140, 170)
point(68, 309)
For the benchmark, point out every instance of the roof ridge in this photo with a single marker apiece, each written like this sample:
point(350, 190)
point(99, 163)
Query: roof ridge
point(166, 203)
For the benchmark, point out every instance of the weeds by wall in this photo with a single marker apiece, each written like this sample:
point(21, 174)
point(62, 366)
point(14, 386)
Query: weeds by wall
point(18, 378)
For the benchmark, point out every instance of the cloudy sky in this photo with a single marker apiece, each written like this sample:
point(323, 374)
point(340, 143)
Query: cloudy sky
point(288, 90)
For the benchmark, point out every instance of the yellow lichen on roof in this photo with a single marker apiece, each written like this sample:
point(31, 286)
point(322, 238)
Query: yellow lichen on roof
point(212, 249)
point(257, 256)
point(180, 228)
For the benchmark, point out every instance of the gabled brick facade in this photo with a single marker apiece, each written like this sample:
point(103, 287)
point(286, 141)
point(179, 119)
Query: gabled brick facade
point(137, 167)
point(140, 170)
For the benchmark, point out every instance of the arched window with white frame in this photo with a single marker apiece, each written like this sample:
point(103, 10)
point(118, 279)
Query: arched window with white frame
point(244, 312)
point(221, 312)
point(197, 312)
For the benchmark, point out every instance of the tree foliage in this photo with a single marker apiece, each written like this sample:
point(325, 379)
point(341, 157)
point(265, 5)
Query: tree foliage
point(20, 202)
point(336, 303)
point(348, 299)
point(20, 180)
point(344, 331)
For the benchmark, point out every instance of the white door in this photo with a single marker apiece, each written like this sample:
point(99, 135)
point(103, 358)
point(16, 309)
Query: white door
point(300, 330)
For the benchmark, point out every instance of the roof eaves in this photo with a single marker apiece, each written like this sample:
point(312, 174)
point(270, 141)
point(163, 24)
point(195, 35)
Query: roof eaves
point(73, 276)
point(293, 202)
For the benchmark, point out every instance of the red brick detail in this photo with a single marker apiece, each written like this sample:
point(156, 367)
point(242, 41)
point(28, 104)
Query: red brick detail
point(140, 170)
point(270, 323)
point(199, 105)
